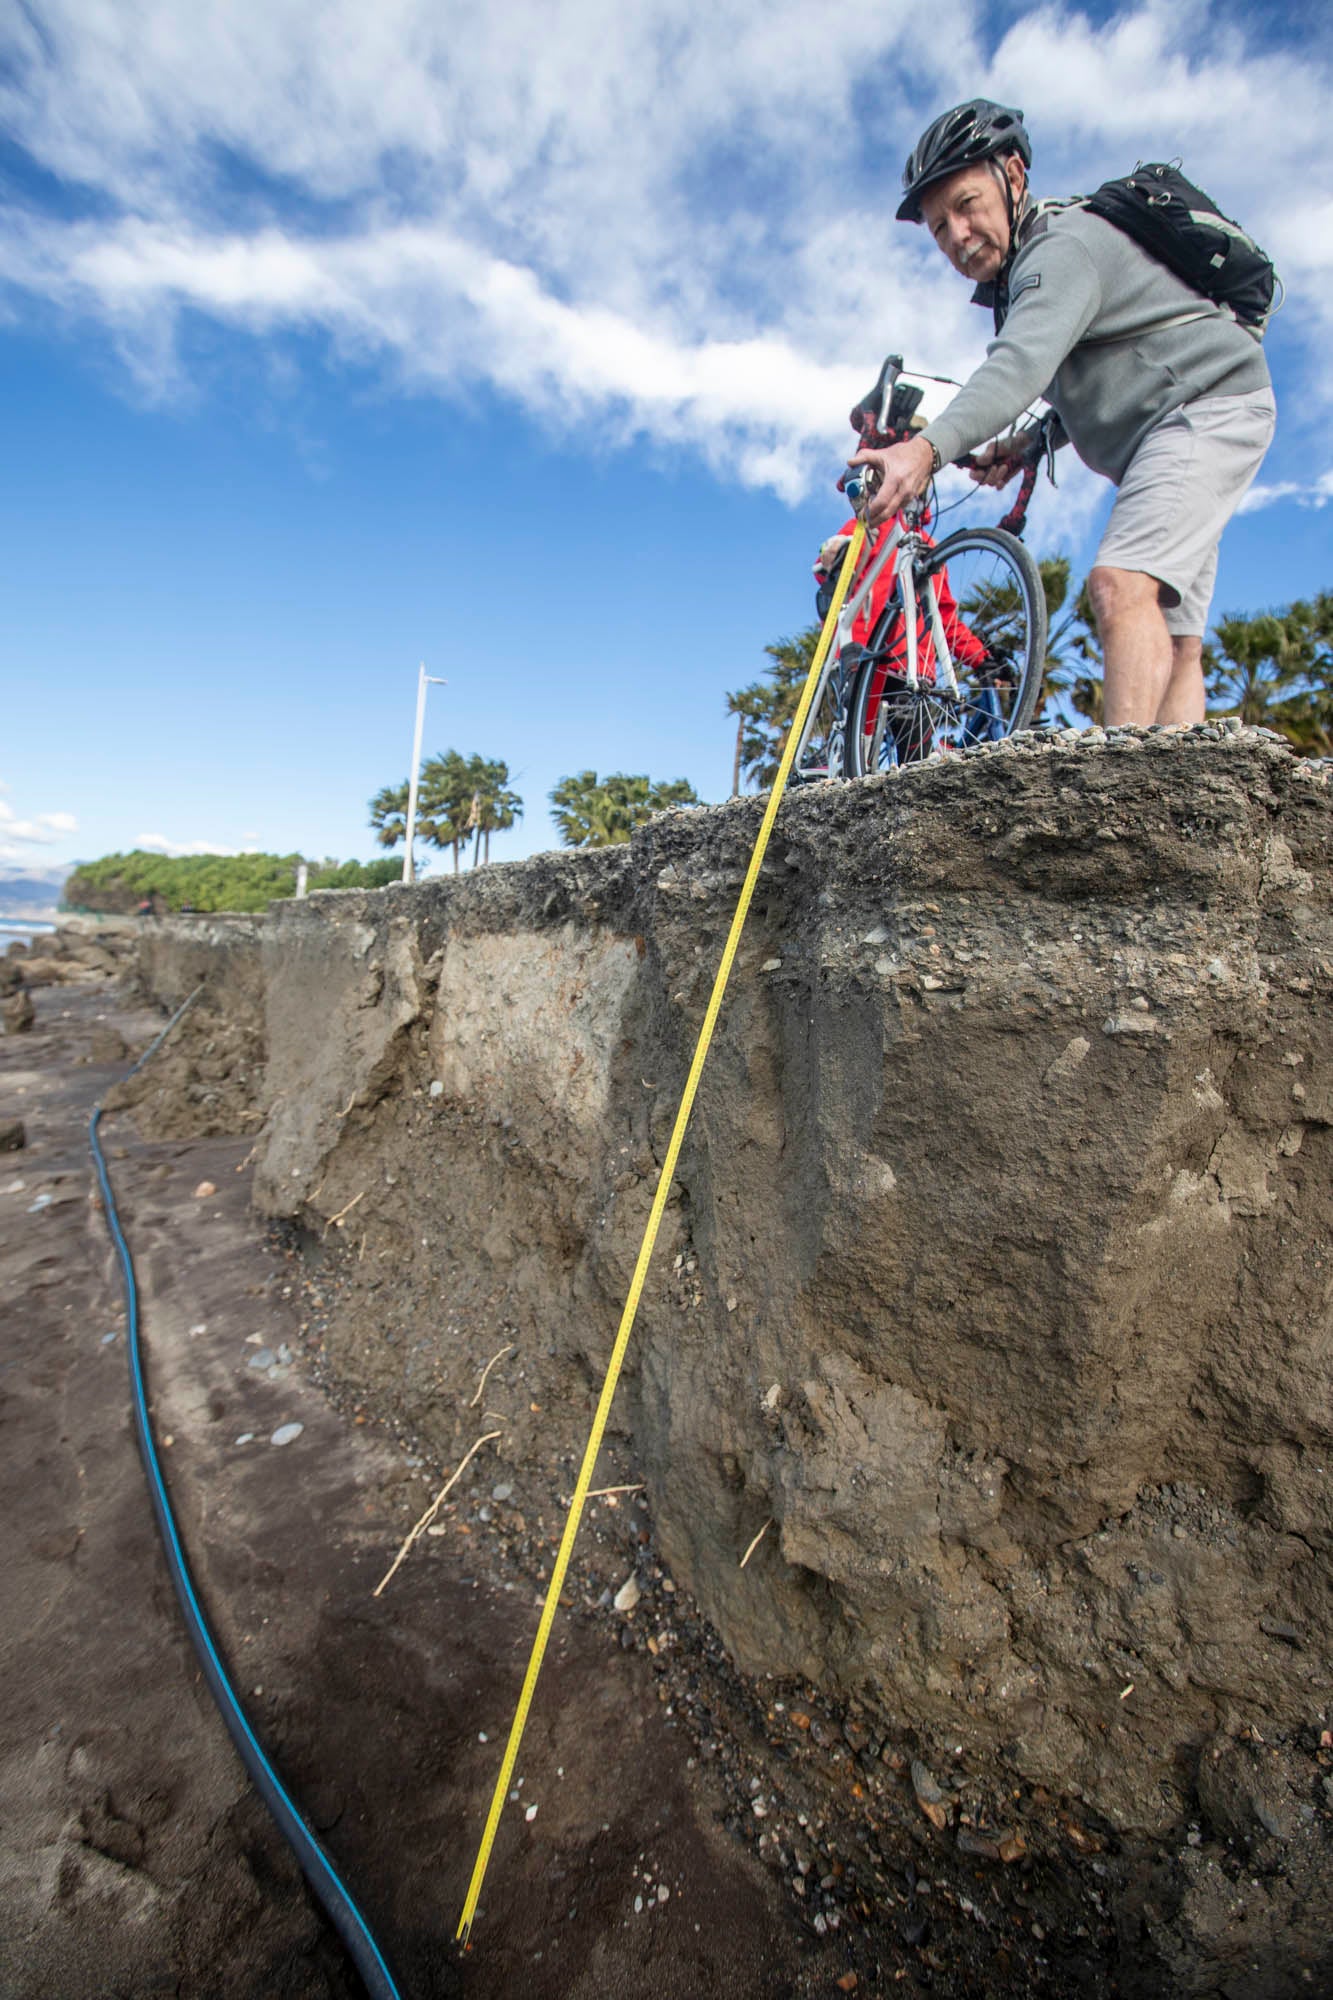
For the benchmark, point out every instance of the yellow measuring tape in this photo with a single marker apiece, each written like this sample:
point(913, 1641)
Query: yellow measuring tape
point(649, 1243)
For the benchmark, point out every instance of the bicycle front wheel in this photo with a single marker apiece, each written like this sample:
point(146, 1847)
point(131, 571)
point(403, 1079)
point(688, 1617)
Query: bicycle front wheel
point(992, 610)
point(824, 751)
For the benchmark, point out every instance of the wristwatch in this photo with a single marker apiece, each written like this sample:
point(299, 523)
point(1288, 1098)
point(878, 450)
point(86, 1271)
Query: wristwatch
point(935, 460)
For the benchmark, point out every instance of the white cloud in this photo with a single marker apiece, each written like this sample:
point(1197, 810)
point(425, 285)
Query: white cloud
point(1317, 493)
point(671, 221)
point(42, 829)
point(157, 843)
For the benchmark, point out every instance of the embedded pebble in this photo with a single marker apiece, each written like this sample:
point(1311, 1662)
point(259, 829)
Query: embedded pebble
point(285, 1433)
point(503, 1491)
point(265, 1358)
point(204, 1190)
point(107, 1338)
point(923, 1783)
point(628, 1595)
point(246, 1437)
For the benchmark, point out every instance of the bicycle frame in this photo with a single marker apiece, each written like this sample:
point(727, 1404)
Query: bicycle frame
point(905, 547)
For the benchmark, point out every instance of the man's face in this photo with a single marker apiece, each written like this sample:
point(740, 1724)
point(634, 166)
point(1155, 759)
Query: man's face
point(968, 217)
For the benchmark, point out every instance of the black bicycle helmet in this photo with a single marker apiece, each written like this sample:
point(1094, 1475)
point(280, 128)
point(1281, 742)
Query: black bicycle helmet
point(975, 131)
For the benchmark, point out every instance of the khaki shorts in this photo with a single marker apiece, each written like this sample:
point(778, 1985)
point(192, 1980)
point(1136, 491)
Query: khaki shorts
point(1180, 489)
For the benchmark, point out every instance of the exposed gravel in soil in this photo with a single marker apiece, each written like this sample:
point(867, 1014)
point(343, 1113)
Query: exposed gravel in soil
point(942, 1881)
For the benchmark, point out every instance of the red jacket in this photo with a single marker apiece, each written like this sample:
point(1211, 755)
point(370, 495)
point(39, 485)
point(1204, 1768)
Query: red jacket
point(964, 645)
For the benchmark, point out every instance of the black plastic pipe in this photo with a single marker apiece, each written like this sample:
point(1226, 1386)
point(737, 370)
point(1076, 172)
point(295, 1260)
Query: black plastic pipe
point(316, 1866)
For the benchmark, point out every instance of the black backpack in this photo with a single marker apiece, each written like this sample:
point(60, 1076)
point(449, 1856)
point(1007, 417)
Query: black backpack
point(1183, 228)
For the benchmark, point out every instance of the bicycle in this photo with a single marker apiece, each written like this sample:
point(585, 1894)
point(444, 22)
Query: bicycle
point(956, 656)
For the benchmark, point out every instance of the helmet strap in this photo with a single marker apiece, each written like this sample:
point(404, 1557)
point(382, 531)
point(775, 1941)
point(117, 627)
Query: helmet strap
point(1014, 208)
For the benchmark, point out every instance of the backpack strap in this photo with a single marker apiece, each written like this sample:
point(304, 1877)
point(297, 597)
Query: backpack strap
point(1206, 309)
point(1155, 326)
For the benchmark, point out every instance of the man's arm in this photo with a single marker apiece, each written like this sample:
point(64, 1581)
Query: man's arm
point(1056, 296)
point(1048, 317)
point(995, 464)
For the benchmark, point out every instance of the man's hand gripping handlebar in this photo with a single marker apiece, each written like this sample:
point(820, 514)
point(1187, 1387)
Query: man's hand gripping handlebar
point(894, 466)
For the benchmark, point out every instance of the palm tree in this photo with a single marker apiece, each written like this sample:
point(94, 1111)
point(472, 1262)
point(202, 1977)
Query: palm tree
point(388, 814)
point(456, 795)
point(492, 807)
point(593, 812)
point(1073, 649)
point(444, 801)
point(1276, 669)
point(994, 611)
point(749, 705)
point(766, 708)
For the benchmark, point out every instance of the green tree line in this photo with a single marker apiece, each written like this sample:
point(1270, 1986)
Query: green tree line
point(461, 801)
point(601, 812)
point(118, 883)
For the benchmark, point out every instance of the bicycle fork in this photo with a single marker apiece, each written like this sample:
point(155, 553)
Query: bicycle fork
point(905, 550)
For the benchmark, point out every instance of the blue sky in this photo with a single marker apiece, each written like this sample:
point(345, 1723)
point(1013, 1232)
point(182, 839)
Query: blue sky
point(333, 340)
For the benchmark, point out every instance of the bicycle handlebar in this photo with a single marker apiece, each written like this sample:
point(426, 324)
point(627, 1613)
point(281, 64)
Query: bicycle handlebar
point(1016, 519)
point(888, 416)
point(860, 481)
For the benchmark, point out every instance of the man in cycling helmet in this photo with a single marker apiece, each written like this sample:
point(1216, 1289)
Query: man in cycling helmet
point(1162, 391)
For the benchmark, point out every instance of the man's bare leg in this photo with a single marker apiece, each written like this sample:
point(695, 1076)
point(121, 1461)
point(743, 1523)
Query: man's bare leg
point(1136, 646)
point(1185, 695)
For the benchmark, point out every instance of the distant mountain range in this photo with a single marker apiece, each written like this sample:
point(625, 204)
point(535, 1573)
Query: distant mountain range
point(32, 892)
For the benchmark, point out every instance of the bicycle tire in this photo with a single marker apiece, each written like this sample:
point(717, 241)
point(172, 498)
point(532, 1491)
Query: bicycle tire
point(1002, 603)
point(825, 752)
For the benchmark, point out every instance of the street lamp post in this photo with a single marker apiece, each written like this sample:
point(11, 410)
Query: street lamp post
point(424, 680)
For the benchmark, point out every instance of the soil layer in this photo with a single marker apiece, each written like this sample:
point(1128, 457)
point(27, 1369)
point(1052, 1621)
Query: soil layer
point(991, 1316)
point(134, 1859)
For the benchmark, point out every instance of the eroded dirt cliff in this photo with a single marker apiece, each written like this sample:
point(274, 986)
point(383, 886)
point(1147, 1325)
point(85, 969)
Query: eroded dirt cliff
point(996, 1277)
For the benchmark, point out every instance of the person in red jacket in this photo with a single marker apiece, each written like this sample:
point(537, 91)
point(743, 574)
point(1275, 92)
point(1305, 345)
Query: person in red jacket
point(964, 646)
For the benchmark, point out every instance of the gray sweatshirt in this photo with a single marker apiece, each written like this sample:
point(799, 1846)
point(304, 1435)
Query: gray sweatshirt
point(1084, 331)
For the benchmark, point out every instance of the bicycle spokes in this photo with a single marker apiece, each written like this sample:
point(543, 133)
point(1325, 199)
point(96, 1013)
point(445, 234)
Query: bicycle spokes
point(979, 651)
